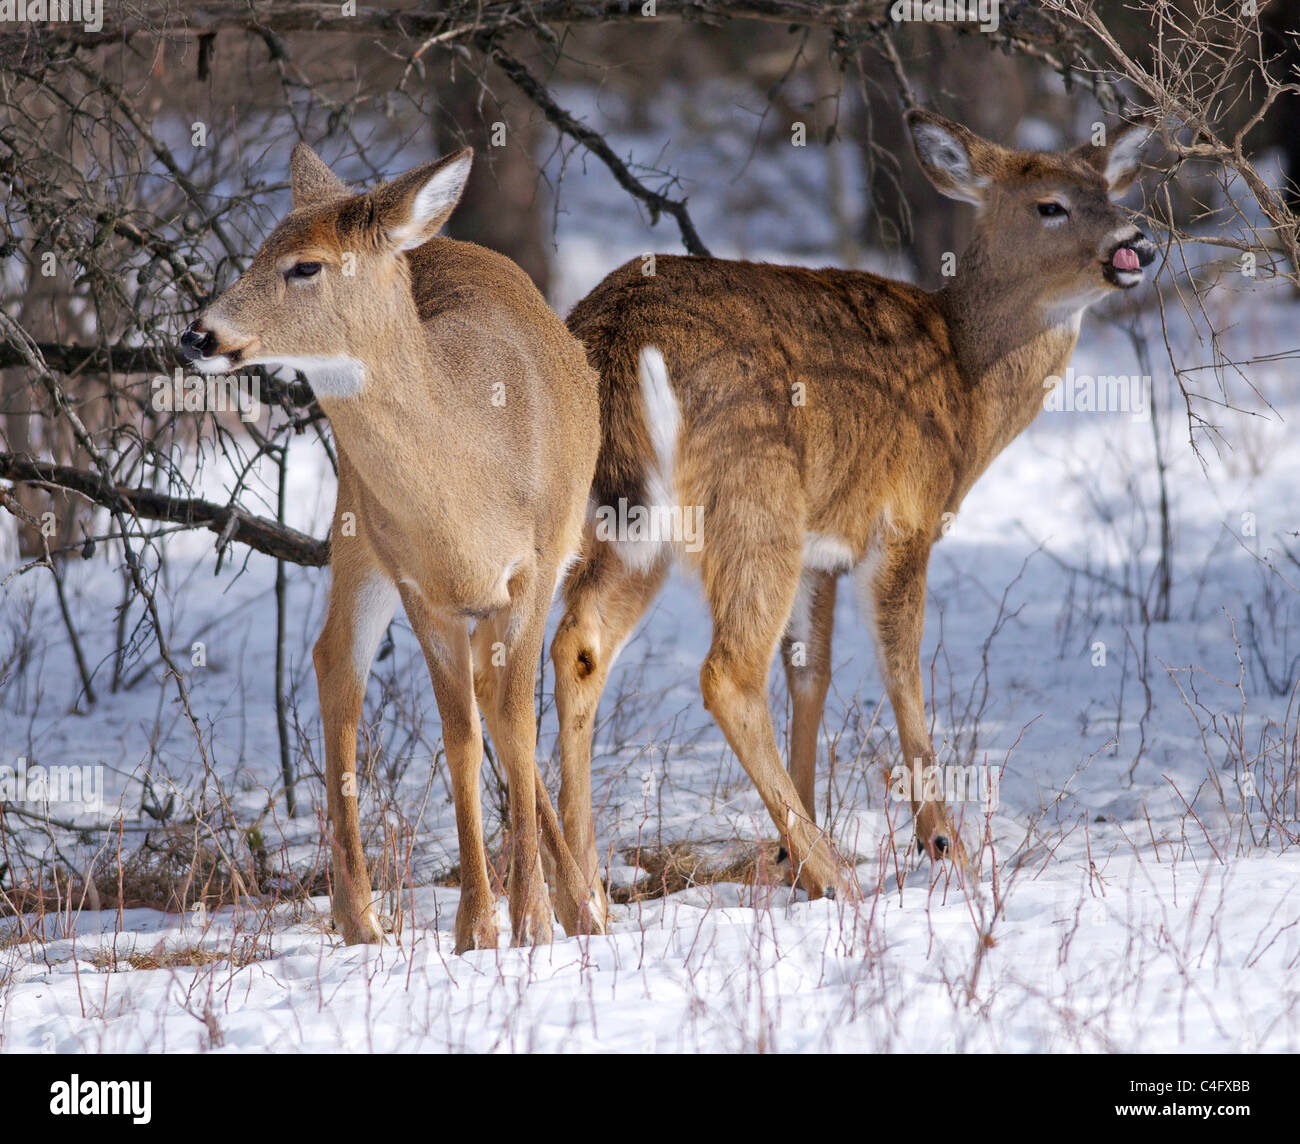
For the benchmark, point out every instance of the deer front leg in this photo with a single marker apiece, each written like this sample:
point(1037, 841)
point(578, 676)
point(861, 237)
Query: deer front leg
point(362, 602)
point(897, 588)
point(580, 911)
point(446, 645)
point(506, 680)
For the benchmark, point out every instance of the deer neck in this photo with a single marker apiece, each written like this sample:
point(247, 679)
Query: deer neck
point(399, 401)
point(1008, 341)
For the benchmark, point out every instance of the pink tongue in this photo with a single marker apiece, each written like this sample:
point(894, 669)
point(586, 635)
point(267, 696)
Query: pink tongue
point(1125, 259)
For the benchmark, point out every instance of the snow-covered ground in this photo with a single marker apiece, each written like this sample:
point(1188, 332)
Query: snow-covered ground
point(1135, 889)
point(1158, 956)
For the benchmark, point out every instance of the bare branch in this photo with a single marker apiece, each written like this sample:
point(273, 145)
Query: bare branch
point(230, 522)
point(523, 79)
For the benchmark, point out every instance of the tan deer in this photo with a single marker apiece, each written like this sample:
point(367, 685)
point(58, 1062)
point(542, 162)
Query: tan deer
point(822, 422)
point(467, 427)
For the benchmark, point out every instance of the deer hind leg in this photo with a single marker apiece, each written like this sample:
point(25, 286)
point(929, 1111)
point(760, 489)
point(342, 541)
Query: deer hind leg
point(604, 600)
point(444, 640)
point(362, 602)
point(806, 654)
point(896, 585)
point(751, 565)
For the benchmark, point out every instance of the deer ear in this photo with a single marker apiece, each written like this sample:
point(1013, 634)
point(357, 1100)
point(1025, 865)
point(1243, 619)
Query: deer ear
point(1118, 159)
point(312, 181)
point(957, 161)
point(412, 209)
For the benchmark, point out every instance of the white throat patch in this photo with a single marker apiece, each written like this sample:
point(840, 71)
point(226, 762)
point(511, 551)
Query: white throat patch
point(331, 376)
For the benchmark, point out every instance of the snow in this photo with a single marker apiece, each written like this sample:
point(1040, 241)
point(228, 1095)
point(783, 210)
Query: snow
point(1145, 896)
point(1156, 956)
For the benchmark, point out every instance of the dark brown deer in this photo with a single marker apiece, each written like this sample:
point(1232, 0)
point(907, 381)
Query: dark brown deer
point(825, 421)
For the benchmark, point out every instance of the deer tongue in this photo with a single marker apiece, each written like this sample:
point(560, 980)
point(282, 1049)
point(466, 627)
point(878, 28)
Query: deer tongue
point(1125, 259)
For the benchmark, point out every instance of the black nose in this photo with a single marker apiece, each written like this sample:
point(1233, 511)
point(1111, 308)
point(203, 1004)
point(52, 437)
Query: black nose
point(1144, 248)
point(196, 343)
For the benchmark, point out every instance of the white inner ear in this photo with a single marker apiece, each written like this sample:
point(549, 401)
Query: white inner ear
point(944, 152)
point(434, 199)
point(1124, 155)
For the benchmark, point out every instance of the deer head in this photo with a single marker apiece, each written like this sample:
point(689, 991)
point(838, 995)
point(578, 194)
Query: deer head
point(1047, 229)
point(330, 287)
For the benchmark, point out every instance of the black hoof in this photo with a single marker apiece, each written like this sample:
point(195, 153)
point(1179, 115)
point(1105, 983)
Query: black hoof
point(829, 892)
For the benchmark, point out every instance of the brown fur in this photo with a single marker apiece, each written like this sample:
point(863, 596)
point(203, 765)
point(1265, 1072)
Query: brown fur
point(908, 397)
point(463, 506)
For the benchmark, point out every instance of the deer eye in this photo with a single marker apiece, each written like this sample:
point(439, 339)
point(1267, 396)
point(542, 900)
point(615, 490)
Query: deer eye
point(304, 270)
point(1052, 209)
